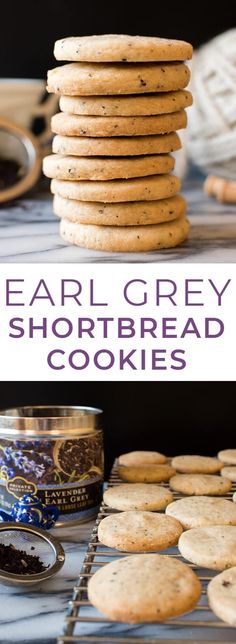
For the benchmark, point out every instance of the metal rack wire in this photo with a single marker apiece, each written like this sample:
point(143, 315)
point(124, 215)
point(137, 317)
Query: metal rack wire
point(83, 623)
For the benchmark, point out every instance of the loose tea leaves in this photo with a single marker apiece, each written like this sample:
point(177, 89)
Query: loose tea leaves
point(19, 562)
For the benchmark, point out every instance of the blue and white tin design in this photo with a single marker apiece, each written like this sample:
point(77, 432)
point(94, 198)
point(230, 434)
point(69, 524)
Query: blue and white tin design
point(55, 453)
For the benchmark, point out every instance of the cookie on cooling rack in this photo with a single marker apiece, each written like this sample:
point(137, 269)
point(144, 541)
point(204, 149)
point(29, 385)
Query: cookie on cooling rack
point(141, 457)
point(228, 456)
point(221, 594)
point(197, 511)
point(137, 497)
point(229, 472)
point(144, 588)
point(192, 464)
point(139, 531)
point(200, 484)
point(213, 547)
point(146, 473)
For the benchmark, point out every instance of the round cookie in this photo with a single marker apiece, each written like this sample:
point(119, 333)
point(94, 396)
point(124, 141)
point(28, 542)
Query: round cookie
point(79, 79)
point(189, 464)
point(139, 531)
point(213, 547)
point(121, 48)
point(229, 473)
point(108, 126)
point(129, 239)
point(122, 146)
point(142, 458)
point(131, 213)
point(69, 168)
point(200, 484)
point(228, 456)
point(133, 105)
point(128, 589)
point(221, 593)
point(137, 496)
point(141, 189)
point(198, 511)
point(145, 473)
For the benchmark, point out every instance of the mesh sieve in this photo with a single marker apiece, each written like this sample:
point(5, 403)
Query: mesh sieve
point(32, 541)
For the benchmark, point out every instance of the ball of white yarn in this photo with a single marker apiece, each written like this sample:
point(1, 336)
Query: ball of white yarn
point(212, 119)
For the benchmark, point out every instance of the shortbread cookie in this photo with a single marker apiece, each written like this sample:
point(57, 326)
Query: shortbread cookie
point(107, 126)
point(144, 588)
point(222, 596)
point(129, 239)
point(142, 458)
point(133, 105)
point(196, 464)
point(213, 547)
point(82, 146)
point(137, 496)
point(229, 473)
point(79, 79)
point(200, 484)
point(228, 456)
point(197, 511)
point(139, 531)
point(68, 168)
point(131, 213)
point(107, 48)
point(145, 473)
point(141, 189)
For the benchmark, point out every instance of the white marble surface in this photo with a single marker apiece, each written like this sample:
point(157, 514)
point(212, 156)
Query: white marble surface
point(29, 232)
point(37, 615)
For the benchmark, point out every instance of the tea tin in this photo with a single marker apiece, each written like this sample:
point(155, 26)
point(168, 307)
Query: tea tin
point(55, 453)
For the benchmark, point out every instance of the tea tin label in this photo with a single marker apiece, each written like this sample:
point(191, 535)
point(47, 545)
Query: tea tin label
point(67, 473)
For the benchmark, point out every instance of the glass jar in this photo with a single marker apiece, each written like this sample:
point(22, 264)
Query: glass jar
point(55, 453)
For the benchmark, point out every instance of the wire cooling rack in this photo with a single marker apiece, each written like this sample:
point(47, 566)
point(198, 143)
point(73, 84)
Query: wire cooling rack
point(83, 623)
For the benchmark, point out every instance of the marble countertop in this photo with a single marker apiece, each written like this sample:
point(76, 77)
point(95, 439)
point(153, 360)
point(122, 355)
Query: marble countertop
point(30, 233)
point(37, 615)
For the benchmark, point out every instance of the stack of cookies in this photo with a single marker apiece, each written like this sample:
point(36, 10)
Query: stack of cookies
point(123, 99)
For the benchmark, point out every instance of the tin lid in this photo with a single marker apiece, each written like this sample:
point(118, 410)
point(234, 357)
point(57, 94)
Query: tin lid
point(49, 421)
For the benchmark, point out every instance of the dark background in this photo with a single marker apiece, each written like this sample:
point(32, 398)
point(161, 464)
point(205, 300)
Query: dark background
point(30, 27)
point(171, 417)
